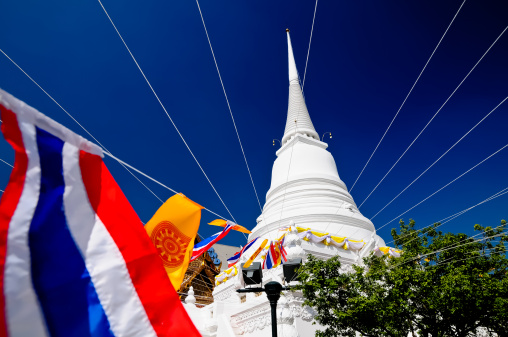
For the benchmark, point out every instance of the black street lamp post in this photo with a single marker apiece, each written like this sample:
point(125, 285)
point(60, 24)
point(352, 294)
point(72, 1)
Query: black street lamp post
point(272, 290)
point(253, 274)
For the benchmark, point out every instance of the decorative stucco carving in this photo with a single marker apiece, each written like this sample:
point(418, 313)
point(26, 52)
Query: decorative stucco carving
point(226, 292)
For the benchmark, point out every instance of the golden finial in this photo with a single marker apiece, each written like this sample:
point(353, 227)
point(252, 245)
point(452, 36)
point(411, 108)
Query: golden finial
point(287, 30)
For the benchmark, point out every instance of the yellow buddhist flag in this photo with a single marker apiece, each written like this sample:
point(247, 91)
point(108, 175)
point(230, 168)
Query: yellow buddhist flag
point(256, 253)
point(277, 257)
point(236, 227)
point(172, 230)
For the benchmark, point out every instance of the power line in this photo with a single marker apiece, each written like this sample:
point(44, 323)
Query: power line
point(75, 120)
point(464, 259)
point(430, 121)
point(152, 179)
point(310, 40)
point(405, 99)
point(298, 114)
point(438, 159)
point(164, 108)
point(451, 182)
point(229, 107)
point(452, 247)
point(456, 215)
point(6, 163)
point(485, 253)
point(106, 151)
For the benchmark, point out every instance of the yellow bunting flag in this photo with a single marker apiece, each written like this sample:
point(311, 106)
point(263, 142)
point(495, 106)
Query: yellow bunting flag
point(236, 227)
point(256, 253)
point(172, 230)
point(277, 257)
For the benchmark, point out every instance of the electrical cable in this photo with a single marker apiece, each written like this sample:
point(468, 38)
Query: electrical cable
point(68, 114)
point(164, 108)
point(430, 121)
point(467, 258)
point(310, 40)
point(456, 215)
point(451, 182)
point(297, 115)
point(106, 151)
point(405, 99)
point(453, 247)
point(152, 179)
point(6, 163)
point(488, 250)
point(229, 108)
point(438, 159)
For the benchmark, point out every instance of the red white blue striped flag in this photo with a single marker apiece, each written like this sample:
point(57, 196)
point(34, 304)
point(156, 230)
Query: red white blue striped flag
point(203, 246)
point(75, 259)
point(235, 258)
point(271, 257)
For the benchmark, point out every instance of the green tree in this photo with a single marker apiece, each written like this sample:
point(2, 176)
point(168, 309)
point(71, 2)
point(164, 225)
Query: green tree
point(442, 285)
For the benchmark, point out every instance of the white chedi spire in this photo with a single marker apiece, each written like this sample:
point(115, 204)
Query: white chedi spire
point(298, 120)
point(306, 189)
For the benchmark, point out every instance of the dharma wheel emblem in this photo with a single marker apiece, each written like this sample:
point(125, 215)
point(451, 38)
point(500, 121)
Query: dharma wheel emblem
point(171, 244)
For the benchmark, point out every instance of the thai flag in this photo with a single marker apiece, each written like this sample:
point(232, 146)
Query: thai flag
point(235, 258)
point(203, 246)
point(270, 259)
point(75, 259)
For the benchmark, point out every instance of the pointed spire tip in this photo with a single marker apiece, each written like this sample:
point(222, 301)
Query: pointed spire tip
point(287, 30)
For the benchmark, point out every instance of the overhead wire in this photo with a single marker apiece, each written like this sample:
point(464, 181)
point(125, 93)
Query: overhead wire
point(409, 93)
point(484, 252)
point(297, 115)
point(459, 260)
point(6, 163)
point(458, 244)
point(438, 159)
point(229, 108)
point(310, 40)
point(106, 151)
point(419, 257)
point(164, 108)
point(430, 121)
point(74, 119)
point(451, 182)
point(454, 216)
point(153, 179)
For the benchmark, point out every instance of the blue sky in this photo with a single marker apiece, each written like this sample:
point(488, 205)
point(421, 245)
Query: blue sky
point(364, 58)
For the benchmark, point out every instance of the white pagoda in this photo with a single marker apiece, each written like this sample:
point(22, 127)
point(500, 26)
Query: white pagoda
point(309, 202)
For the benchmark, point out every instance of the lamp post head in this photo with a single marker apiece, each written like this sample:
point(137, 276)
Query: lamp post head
point(272, 290)
point(273, 287)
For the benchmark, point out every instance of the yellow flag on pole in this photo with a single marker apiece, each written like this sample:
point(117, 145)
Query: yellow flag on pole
point(172, 230)
point(278, 257)
point(236, 227)
point(256, 253)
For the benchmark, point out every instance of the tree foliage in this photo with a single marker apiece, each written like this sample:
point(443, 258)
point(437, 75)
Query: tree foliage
point(443, 284)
